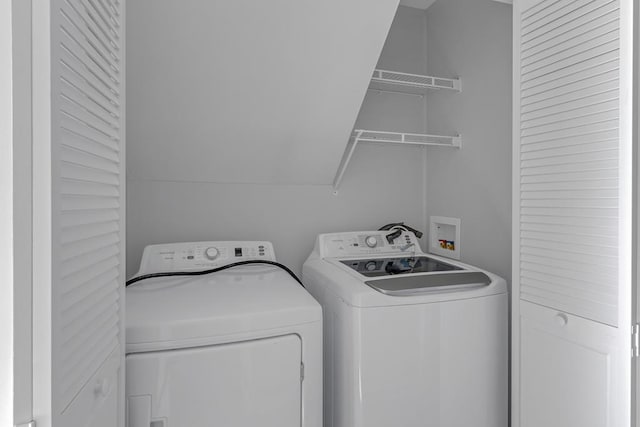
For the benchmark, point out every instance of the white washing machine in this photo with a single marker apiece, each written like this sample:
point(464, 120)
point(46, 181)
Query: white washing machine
point(240, 347)
point(410, 339)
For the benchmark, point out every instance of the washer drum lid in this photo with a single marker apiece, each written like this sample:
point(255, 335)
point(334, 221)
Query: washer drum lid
point(432, 282)
point(178, 312)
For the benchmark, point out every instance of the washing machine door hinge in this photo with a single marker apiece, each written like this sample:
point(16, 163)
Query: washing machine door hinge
point(635, 341)
point(301, 371)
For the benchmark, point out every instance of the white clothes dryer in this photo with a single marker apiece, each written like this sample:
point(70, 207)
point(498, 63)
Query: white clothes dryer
point(410, 339)
point(239, 347)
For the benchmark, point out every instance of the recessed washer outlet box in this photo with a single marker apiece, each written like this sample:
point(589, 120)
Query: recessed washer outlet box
point(444, 236)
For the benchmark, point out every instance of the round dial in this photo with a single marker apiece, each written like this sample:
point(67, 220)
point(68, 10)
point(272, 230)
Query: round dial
point(371, 241)
point(211, 253)
point(370, 266)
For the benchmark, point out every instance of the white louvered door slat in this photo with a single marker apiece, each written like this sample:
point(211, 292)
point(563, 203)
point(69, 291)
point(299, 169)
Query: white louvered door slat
point(568, 70)
point(572, 213)
point(88, 211)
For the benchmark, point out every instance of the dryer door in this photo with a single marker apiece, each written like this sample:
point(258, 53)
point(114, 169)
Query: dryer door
point(251, 383)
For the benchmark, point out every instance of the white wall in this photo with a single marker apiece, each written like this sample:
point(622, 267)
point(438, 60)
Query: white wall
point(22, 201)
point(472, 39)
point(290, 216)
point(383, 184)
point(280, 79)
point(6, 217)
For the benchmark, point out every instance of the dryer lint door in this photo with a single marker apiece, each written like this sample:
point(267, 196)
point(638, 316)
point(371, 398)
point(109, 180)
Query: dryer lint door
point(251, 383)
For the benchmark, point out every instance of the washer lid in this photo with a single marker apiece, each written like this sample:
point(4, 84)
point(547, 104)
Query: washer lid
point(178, 312)
point(424, 283)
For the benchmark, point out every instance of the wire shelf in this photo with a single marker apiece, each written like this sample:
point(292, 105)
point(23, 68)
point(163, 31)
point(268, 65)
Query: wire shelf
point(398, 138)
point(406, 138)
point(411, 83)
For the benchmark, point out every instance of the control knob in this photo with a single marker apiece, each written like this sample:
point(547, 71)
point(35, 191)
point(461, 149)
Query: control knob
point(370, 266)
point(371, 241)
point(211, 253)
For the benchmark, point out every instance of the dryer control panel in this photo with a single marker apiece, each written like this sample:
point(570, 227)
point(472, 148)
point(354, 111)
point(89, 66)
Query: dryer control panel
point(362, 243)
point(202, 255)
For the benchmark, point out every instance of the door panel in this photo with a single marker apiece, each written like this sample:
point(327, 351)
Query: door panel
point(572, 212)
point(571, 65)
point(97, 404)
point(253, 383)
point(568, 369)
point(78, 212)
point(87, 202)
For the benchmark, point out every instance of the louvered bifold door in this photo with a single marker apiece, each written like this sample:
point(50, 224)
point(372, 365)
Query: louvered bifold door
point(570, 154)
point(572, 234)
point(88, 210)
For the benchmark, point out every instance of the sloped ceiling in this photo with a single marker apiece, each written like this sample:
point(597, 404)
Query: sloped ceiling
point(246, 90)
point(418, 4)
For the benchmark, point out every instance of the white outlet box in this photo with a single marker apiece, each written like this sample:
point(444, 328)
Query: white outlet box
point(444, 236)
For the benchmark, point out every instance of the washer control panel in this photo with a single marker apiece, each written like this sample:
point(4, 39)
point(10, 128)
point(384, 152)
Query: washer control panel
point(362, 243)
point(202, 255)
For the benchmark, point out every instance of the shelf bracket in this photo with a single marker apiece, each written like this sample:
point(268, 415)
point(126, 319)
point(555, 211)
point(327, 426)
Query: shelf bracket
point(396, 138)
point(346, 158)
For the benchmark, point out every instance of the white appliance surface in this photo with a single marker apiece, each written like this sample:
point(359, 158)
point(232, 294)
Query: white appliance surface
point(254, 383)
point(201, 255)
point(237, 347)
point(436, 355)
point(175, 312)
